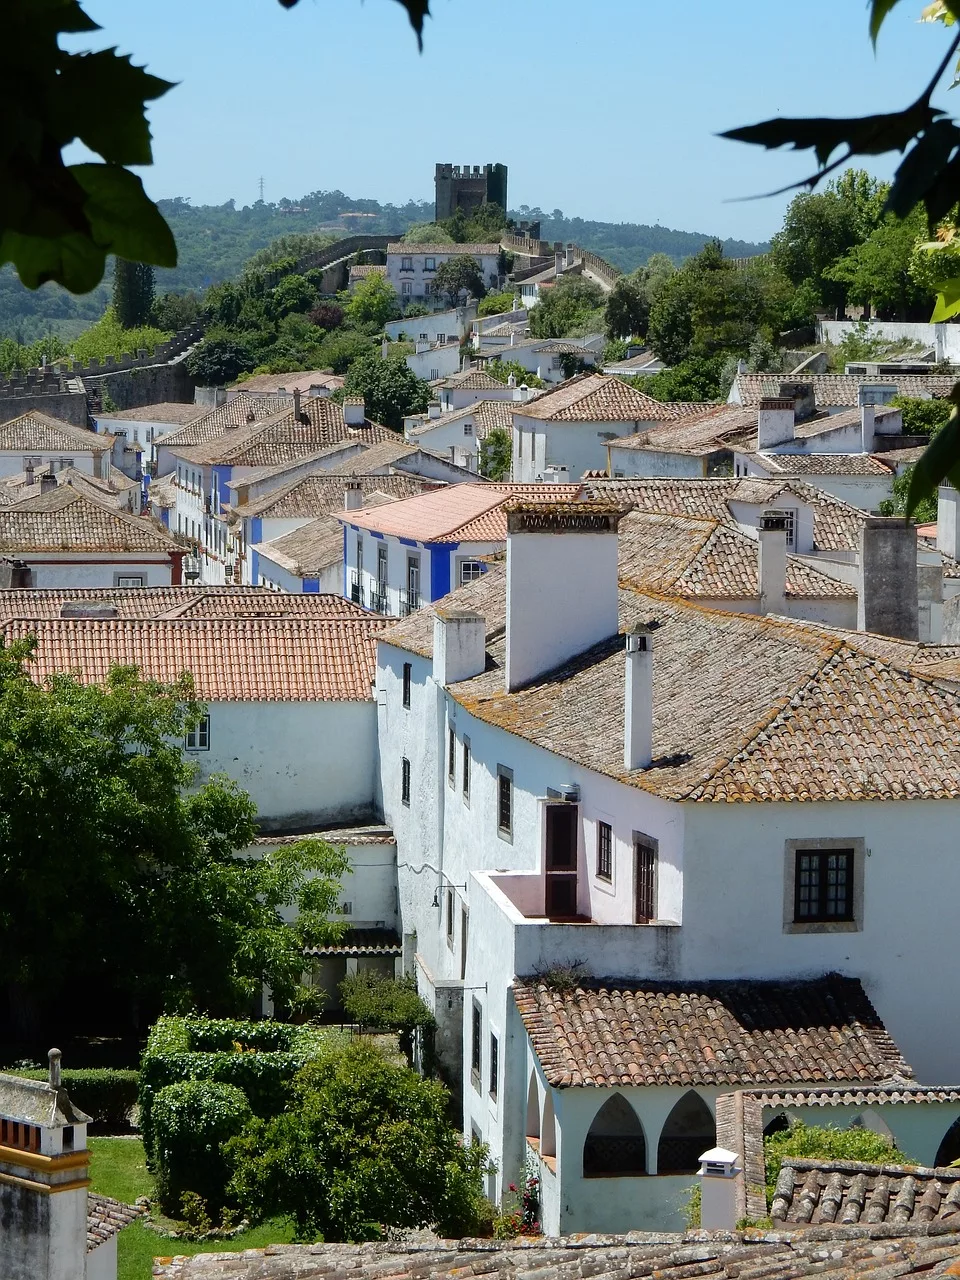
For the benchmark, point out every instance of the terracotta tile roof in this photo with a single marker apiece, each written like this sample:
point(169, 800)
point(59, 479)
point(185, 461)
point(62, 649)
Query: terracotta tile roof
point(65, 520)
point(484, 416)
point(878, 1253)
point(836, 524)
point(283, 437)
point(436, 250)
point(181, 414)
point(306, 551)
point(286, 659)
point(505, 329)
point(819, 718)
point(383, 454)
point(162, 491)
point(456, 513)
point(114, 491)
point(840, 390)
point(893, 1095)
point(822, 464)
point(272, 383)
point(363, 269)
point(706, 560)
point(364, 942)
point(321, 494)
point(35, 432)
point(846, 1191)
point(362, 834)
point(106, 1217)
point(347, 448)
point(176, 602)
point(702, 433)
point(598, 397)
point(609, 1032)
point(472, 380)
point(237, 412)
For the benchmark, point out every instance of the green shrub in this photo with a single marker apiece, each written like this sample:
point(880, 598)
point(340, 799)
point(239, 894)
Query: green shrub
point(105, 1094)
point(259, 1058)
point(190, 1122)
point(379, 1003)
point(814, 1142)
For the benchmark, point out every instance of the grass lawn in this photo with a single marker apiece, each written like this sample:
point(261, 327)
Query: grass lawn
point(118, 1168)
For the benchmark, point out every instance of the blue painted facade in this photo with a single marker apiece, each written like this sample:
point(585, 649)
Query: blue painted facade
point(440, 555)
point(218, 482)
point(256, 533)
point(311, 586)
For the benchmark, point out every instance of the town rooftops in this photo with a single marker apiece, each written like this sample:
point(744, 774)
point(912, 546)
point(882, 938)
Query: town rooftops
point(823, 464)
point(306, 551)
point(106, 1217)
point(321, 494)
point(846, 1191)
point(289, 659)
point(36, 432)
point(449, 250)
point(274, 383)
point(839, 390)
point(241, 410)
point(456, 513)
point(837, 1253)
point(608, 1032)
point(704, 559)
point(167, 412)
point(472, 380)
point(283, 436)
point(64, 520)
point(705, 431)
point(171, 603)
point(114, 490)
point(484, 416)
point(819, 719)
point(597, 397)
point(359, 271)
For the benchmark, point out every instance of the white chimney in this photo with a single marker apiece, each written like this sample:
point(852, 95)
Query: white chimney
point(513, 337)
point(318, 392)
point(354, 412)
point(638, 700)
point(433, 409)
point(558, 262)
point(720, 1176)
point(465, 364)
point(352, 495)
point(385, 349)
point(561, 583)
point(522, 393)
point(868, 415)
point(948, 521)
point(772, 562)
point(775, 419)
point(512, 380)
point(459, 645)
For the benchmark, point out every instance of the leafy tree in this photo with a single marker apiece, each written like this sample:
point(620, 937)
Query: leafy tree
point(152, 900)
point(627, 311)
point(108, 337)
point(373, 302)
point(460, 274)
point(696, 380)
point(365, 1144)
point(670, 331)
point(379, 1003)
point(175, 311)
point(327, 315)
point(289, 248)
point(494, 304)
point(922, 417)
point(190, 1122)
point(340, 349)
point(390, 389)
point(878, 272)
point(427, 233)
point(503, 369)
point(293, 294)
point(496, 454)
point(220, 357)
point(707, 308)
point(133, 288)
point(571, 306)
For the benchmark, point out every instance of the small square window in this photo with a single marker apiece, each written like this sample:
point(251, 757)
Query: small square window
point(823, 890)
point(405, 781)
point(494, 1065)
point(198, 738)
point(470, 571)
point(504, 801)
point(129, 580)
point(407, 678)
point(466, 769)
point(604, 851)
point(468, 428)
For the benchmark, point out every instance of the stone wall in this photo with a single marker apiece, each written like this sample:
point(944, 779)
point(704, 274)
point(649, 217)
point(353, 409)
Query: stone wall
point(68, 406)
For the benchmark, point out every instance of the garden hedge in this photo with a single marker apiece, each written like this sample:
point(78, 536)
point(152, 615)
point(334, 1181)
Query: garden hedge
point(191, 1121)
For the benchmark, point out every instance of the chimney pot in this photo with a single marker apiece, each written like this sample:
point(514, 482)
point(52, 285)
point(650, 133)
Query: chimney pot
point(296, 403)
point(433, 409)
point(459, 645)
point(354, 413)
point(352, 495)
point(948, 524)
point(775, 421)
point(868, 416)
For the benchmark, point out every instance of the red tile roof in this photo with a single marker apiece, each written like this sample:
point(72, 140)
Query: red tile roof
point(63, 520)
point(456, 513)
point(600, 397)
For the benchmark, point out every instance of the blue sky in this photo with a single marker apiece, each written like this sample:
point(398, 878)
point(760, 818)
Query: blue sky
point(605, 109)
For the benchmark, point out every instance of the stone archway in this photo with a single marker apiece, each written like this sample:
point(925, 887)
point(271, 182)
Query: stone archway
point(689, 1131)
point(615, 1145)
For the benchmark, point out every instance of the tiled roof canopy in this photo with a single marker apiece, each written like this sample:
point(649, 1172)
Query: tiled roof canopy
point(840, 390)
point(167, 412)
point(238, 412)
point(453, 250)
point(472, 380)
point(823, 464)
point(624, 1032)
point(105, 1217)
point(36, 432)
point(484, 416)
point(174, 602)
point(846, 1191)
point(820, 718)
point(320, 494)
point(600, 397)
point(63, 520)
point(855, 1253)
point(231, 660)
point(456, 513)
point(306, 551)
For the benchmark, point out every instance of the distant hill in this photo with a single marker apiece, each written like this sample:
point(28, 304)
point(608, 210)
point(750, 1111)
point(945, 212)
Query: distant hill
point(216, 240)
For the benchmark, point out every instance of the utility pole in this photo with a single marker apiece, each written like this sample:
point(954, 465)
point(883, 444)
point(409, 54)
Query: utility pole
point(261, 189)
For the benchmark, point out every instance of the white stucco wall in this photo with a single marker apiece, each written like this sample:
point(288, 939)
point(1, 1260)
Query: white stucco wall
point(435, 362)
point(398, 553)
point(578, 446)
point(56, 572)
point(649, 462)
point(102, 1261)
point(302, 762)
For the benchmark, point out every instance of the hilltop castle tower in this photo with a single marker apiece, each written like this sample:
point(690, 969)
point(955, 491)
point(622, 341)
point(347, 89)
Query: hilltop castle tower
point(468, 189)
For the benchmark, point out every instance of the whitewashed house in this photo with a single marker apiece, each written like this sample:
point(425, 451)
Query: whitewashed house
point(309, 559)
point(401, 556)
point(449, 327)
point(411, 268)
point(35, 440)
point(460, 432)
point(463, 389)
point(545, 358)
point(836, 392)
point(659, 854)
point(565, 432)
point(240, 410)
point(432, 361)
point(141, 430)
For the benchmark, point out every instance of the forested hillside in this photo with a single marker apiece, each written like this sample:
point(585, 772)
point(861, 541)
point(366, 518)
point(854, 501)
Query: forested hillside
point(215, 241)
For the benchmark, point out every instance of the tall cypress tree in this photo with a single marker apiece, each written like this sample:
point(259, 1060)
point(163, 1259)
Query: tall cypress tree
point(133, 284)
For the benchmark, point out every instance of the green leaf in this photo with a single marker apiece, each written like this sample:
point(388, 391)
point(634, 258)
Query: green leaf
point(417, 10)
point(939, 461)
point(930, 156)
point(123, 220)
point(878, 12)
point(863, 135)
point(948, 300)
point(100, 97)
point(71, 258)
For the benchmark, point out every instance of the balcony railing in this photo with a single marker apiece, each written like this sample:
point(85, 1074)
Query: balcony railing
point(378, 601)
point(356, 589)
point(409, 602)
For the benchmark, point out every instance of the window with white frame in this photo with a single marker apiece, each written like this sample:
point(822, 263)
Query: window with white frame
point(406, 288)
point(128, 580)
point(470, 571)
point(429, 264)
point(198, 738)
point(406, 264)
point(468, 428)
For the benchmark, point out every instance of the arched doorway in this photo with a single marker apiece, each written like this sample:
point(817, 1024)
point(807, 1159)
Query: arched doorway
point(949, 1149)
point(615, 1145)
point(689, 1131)
point(548, 1133)
point(780, 1123)
point(533, 1109)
